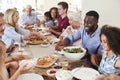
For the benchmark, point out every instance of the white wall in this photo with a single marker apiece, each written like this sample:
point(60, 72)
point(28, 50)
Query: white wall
point(109, 10)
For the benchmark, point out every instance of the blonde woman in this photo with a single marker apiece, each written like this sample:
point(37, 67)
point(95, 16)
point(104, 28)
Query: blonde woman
point(3, 69)
point(12, 32)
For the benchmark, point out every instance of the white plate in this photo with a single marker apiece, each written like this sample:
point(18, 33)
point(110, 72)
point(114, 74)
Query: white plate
point(30, 76)
point(19, 53)
point(85, 73)
point(47, 57)
point(30, 62)
point(45, 45)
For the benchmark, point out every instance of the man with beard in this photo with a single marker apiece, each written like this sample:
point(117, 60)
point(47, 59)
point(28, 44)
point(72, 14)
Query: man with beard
point(89, 35)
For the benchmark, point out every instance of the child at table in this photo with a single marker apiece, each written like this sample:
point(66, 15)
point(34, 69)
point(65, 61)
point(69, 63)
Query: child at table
point(3, 67)
point(110, 41)
point(48, 19)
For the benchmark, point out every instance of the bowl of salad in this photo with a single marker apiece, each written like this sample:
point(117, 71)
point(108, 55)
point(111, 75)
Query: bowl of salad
point(73, 52)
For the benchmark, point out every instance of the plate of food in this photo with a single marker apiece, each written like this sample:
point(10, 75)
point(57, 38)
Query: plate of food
point(45, 44)
point(85, 73)
point(34, 40)
point(46, 61)
point(30, 76)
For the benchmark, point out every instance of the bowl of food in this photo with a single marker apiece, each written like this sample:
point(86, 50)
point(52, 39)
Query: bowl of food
point(74, 52)
point(63, 75)
point(51, 72)
point(58, 67)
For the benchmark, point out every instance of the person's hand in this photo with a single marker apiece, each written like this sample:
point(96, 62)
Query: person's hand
point(61, 44)
point(11, 48)
point(94, 59)
point(114, 76)
point(26, 56)
point(69, 31)
point(23, 68)
point(50, 29)
point(14, 64)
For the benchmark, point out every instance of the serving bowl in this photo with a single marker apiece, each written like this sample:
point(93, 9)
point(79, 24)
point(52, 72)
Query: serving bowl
point(74, 52)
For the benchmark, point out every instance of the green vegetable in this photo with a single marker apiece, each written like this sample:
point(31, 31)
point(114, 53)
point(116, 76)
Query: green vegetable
point(73, 50)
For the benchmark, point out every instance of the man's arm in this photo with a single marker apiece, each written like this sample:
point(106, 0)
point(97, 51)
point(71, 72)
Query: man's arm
point(55, 32)
point(61, 44)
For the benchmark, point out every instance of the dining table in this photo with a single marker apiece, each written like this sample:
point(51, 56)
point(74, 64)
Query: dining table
point(38, 51)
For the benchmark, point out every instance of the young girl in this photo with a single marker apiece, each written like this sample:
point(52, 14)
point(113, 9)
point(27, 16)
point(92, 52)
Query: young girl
point(3, 69)
point(48, 19)
point(110, 41)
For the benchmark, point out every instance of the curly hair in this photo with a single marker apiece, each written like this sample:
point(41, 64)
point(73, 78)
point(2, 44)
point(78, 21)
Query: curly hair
point(113, 36)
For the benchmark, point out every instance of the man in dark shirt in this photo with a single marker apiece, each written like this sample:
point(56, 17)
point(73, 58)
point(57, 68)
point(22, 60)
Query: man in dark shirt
point(63, 20)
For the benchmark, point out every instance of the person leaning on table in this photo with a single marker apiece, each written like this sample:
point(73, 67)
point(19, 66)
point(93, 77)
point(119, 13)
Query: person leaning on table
point(13, 33)
point(89, 34)
point(63, 20)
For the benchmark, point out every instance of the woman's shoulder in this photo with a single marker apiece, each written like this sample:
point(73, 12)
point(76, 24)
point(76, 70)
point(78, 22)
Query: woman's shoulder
point(9, 28)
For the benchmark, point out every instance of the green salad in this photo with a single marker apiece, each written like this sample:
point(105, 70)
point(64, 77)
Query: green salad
point(73, 50)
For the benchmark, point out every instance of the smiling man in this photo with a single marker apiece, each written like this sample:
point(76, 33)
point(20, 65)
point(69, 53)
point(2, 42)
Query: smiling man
point(89, 35)
point(63, 20)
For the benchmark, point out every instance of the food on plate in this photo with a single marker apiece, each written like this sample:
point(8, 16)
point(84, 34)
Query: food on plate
point(47, 61)
point(34, 40)
point(73, 50)
point(45, 43)
point(51, 72)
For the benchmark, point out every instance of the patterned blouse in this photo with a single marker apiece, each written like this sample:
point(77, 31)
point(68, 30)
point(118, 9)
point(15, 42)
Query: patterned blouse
point(107, 64)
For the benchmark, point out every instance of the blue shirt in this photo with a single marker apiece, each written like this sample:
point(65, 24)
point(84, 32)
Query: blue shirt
point(10, 35)
point(107, 64)
point(26, 19)
point(89, 42)
point(49, 23)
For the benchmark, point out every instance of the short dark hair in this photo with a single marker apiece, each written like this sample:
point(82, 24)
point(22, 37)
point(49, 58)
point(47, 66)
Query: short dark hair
point(47, 14)
point(93, 13)
point(64, 5)
point(113, 36)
